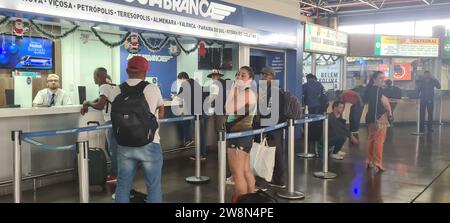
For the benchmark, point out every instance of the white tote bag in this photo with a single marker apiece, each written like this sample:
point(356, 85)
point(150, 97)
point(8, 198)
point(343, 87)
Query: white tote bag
point(262, 160)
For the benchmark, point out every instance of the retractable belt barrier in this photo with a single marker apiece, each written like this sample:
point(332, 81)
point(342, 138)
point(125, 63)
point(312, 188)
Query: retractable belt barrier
point(223, 137)
point(80, 147)
point(28, 136)
point(304, 119)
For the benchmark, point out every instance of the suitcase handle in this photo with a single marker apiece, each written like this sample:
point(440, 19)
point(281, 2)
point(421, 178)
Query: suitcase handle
point(93, 122)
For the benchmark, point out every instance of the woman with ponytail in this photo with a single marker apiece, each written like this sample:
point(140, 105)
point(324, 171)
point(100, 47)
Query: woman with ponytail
point(378, 114)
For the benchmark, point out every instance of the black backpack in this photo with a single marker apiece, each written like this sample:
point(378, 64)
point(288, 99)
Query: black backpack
point(133, 123)
point(292, 108)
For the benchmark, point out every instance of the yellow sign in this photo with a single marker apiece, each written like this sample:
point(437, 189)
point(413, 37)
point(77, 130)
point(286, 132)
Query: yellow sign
point(406, 46)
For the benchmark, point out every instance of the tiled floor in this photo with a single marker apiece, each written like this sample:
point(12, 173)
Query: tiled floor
point(417, 171)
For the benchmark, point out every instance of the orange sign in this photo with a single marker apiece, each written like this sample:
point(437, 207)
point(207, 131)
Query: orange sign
point(402, 72)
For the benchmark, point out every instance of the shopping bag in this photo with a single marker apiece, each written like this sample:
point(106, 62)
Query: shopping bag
point(262, 160)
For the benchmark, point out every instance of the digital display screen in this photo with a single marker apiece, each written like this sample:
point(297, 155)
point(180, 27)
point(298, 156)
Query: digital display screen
point(26, 53)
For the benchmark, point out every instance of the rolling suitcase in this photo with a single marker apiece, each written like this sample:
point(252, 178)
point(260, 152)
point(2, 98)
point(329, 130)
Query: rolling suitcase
point(97, 165)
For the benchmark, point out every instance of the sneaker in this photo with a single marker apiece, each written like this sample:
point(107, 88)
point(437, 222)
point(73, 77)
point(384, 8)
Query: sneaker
point(132, 194)
point(277, 185)
point(260, 188)
point(342, 153)
point(336, 156)
point(202, 158)
point(111, 178)
point(188, 143)
point(229, 181)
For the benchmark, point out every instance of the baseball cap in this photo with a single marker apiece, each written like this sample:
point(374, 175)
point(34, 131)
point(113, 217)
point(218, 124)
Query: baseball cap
point(137, 64)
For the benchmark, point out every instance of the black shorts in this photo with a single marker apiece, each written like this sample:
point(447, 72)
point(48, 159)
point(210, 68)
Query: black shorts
point(245, 143)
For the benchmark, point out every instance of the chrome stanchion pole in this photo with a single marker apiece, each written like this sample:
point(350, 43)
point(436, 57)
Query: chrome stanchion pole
point(440, 108)
point(83, 170)
point(305, 153)
point(222, 145)
point(290, 193)
point(417, 132)
point(325, 174)
point(17, 166)
point(197, 179)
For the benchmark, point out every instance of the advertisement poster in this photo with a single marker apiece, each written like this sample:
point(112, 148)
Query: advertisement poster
point(406, 46)
point(26, 53)
point(162, 67)
point(329, 75)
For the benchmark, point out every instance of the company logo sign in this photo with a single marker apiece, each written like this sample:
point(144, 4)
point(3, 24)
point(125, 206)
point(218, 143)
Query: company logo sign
point(152, 58)
point(203, 8)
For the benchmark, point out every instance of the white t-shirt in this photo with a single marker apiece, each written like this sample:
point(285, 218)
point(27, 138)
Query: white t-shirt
point(44, 96)
point(213, 93)
point(105, 90)
point(152, 95)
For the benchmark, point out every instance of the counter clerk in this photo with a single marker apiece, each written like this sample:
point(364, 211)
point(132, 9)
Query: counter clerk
point(52, 95)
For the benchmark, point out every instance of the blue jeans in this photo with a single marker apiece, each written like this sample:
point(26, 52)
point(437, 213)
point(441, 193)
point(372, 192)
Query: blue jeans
point(151, 159)
point(202, 136)
point(112, 147)
point(188, 127)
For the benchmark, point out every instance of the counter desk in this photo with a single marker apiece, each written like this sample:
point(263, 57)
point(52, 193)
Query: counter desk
point(37, 161)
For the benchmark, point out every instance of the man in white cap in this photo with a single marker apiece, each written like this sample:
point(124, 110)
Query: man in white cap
point(52, 95)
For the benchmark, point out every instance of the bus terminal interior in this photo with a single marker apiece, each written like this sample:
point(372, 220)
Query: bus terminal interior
point(361, 56)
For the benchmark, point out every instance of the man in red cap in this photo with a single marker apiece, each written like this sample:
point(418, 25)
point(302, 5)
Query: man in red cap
point(132, 114)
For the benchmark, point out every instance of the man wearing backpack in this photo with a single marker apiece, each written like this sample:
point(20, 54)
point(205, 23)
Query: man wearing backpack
point(274, 138)
point(102, 103)
point(136, 106)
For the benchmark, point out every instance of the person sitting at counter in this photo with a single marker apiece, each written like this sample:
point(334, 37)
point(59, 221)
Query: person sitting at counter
point(52, 95)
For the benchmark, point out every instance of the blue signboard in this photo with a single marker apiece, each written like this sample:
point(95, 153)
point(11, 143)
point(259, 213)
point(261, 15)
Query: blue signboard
point(162, 65)
point(226, 13)
point(201, 9)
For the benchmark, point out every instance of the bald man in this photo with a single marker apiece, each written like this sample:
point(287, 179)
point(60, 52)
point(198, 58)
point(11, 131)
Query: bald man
point(102, 103)
point(52, 95)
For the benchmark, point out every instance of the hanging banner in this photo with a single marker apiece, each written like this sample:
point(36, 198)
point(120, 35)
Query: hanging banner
point(320, 39)
point(406, 46)
point(106, 12)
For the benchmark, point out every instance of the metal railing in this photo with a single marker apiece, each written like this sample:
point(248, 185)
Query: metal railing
point(80, 147)
point(290, 193)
